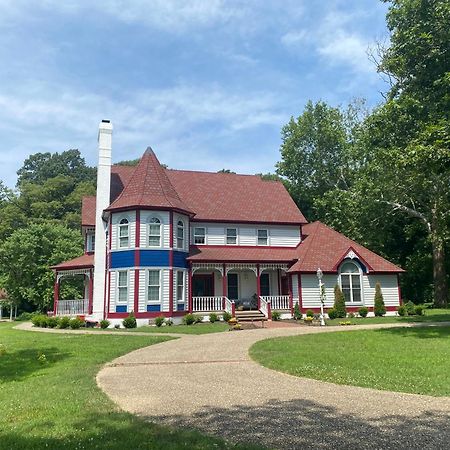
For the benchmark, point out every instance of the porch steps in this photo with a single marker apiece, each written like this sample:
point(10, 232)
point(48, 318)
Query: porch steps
point(250, 316)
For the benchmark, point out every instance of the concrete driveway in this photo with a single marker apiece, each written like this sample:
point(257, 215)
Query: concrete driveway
point(210, 383)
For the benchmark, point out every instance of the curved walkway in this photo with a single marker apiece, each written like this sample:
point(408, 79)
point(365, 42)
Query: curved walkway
point(210, 383)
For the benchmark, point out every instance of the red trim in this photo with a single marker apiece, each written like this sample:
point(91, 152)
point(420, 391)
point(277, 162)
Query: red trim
point(335, 267)
point(253, 261)
point(258, 285)
point(137, 257)
point(138, 230)
point(279, 281)
point(55, 296)
point(171, 262)
point(400, 300)
point(85, 244)
point(61, 268)
point(372, 272)
point(148, 208)
point(91, 291)
point(233, 310)
point(200, 219)
point(300, 297)
point(276, 247)
point(224, 282)
point(107, 299)
point(190, 301)
point(291, 295)
point(269, 311)
point(147, 315)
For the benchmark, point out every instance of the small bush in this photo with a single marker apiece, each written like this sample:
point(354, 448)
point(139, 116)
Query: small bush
point(198, 319)
point(276, 315)
point(104, 324)
point(363, 311)
point(64, 322)
point(351, 315)
point(76, 323)
point(339, 302)
point(52, 322)
point(226, 316)
point(26, 316)
point(332, 314)
point(379, 308)
point(297, 312)
point(40, 321)
point(309, 313)
point(159, 321)
point(130, 321)
point(189, 319)
point(410, 308)
point(213, 317)
point(419, 310)
point(401, 310)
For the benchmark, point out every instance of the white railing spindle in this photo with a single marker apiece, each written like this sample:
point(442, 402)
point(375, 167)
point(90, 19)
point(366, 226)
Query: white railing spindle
point(207, 303)
point(72, 307)
point(277, 301)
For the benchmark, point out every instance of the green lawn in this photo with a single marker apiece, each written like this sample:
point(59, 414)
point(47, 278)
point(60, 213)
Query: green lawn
point(431, 315)
point(414, 360)
point(57, 405)
point(198, 328)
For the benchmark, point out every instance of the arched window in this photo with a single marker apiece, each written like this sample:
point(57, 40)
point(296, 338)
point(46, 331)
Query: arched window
point(350, 281)
point(180, 234)
point(124, 233)
point(154, 232)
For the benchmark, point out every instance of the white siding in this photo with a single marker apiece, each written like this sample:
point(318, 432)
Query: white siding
point(246, 235)
point(114, 293)
point(389, 288)
point(163, 217)
point(115, 219)
point(284, 236)
point(184, 219)
point(165, 288)
point(311, 292)
point(294, 280)
point(142, 291)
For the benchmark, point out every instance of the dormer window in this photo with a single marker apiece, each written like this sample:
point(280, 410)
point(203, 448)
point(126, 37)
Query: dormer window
point(350, 281)
point(180, 234)
point(154, 232)
point(199, 235)
point(231, 236)
point(124, 233)
point(263, 237)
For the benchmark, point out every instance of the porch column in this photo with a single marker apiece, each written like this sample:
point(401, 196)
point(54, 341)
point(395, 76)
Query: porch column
point(190, 305)
point(258, 285)
point(91, 291)
point(56, 295)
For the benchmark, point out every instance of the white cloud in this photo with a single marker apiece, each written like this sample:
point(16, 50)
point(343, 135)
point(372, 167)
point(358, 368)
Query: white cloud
point(295, 37)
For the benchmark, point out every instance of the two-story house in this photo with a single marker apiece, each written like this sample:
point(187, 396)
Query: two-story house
point(167, 242)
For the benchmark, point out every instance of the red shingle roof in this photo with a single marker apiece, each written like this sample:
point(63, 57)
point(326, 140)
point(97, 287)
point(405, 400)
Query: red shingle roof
point(242, 254)
point(149, 186)
point(84, 261)
point(324, 247)
point(235, 198)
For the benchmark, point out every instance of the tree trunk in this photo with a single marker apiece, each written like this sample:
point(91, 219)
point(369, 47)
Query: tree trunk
point(439, 274)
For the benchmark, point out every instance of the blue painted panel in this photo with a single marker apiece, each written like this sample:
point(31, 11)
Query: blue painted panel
point(180, 307)
point(179, 259)
point(122, 259)
point(154, 258)
point(153, 308)
point(121, 308)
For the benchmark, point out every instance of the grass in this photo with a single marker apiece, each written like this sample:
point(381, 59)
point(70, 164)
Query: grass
point(198, 328)
point(414, 360)
point(56, 404)
point(431, 315)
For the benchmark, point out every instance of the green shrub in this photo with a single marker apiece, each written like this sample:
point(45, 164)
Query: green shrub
point(339, 302)
point(276, 315)
point(401, 310)
point(76, 323)
point(198, 319)
point(309, 313)
point(104, 324)
point(332, 314)
point(36, 320)
point(130, 321)
point(52, 322)
point(189, 319)
point(159, 321)
point(379, 308)
point(26, 316)
point(226, 316)
point(363, 311)
point(213, 317)
point(419, 310)
point(410, 308)
point(297, 312)
point(64, 322)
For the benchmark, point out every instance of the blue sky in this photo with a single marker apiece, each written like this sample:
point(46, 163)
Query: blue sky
point(208, 84)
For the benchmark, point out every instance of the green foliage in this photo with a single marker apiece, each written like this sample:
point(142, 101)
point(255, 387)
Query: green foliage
point(226, 316)
point(189, 319)
point(159, 321)
point(419, 310)
point(76, 323)
point(213, 317)
point(309, 313)
point(332, 313)
point(401, 311)
point(130, 321)
point(64, 322)
point(104, 324)
point(297, 312)
point(410, 308)
point(276, 315)
point(339, 302)
point(39, 320)
point(52, 322)
point(198, 319)
point(363, 311)
point(379, 308)
point(24, 316)
point(351, 315)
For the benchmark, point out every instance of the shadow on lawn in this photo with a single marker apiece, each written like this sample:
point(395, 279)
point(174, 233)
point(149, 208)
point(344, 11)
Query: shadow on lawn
point(418, 332)
point(16, 366)
point(303, 424)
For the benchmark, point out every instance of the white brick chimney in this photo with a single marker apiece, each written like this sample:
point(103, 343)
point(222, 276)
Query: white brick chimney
point(103, 191)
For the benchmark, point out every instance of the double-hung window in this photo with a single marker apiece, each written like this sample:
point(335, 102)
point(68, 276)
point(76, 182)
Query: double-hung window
point(263, 237)
point(199, 235)
point(122, 286)
point(231, 236)
point(180, 286)
point(124, 233)
point(180, 234)
point(154, 287)
point(154, 233)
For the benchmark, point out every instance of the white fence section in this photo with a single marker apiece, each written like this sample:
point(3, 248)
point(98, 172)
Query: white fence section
point(264, 305)
point(207, 303)
point(229, 305)
point(277, 301)
point(72, 307)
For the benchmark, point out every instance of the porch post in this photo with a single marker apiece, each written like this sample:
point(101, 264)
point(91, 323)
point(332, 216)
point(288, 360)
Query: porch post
point(224, 283)
point(56, 295)
point(91, 291)
point(258, 285)
point(291, 298)
point(190, 305)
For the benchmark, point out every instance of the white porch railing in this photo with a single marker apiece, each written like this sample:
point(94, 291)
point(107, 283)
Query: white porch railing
point(72, 307)
point(207, 303)
point(229, 305)
point(264, 305)
point(277, 301)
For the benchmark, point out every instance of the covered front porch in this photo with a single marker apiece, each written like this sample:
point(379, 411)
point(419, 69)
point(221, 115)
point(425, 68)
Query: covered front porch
point(240, 287)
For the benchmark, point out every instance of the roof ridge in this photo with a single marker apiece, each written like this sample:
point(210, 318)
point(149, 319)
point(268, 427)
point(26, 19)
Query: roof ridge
point(125, 186)
point(163, 190)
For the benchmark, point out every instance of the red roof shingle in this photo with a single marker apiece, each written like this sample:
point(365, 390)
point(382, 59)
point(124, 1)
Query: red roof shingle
point(81, 262)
